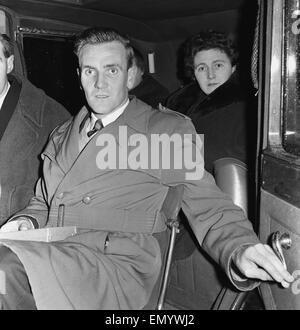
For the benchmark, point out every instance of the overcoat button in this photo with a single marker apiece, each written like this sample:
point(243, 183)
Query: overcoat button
point(87, 200)
point(60, 195)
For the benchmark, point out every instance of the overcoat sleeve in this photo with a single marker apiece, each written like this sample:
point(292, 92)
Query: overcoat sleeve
point(37, 207)
point(220, 226)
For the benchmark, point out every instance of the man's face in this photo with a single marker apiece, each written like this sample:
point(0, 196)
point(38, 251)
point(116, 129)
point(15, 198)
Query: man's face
point(6, 66)
point(212, 69)
point(104, 75)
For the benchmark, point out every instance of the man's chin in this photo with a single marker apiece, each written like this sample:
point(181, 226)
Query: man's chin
point(100, 110)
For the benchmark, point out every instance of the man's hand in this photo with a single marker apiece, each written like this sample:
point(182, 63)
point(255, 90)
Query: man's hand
point(260, 262)
point(21, 223)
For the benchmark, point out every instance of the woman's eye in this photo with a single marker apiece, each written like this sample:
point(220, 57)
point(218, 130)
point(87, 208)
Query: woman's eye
point(219, 65)
point(201, 68)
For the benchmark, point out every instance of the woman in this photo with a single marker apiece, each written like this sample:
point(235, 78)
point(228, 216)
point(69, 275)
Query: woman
point(221, 110)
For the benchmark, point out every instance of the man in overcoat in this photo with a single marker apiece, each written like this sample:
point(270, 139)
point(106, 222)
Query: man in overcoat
point(27, 117)
point(100, 167)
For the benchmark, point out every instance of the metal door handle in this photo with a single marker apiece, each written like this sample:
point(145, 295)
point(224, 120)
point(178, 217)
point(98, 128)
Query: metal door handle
point(278, 242)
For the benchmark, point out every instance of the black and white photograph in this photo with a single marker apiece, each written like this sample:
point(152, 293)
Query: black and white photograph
point(149, 158)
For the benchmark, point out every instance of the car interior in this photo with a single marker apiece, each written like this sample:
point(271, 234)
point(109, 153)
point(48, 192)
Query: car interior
point(45, 31)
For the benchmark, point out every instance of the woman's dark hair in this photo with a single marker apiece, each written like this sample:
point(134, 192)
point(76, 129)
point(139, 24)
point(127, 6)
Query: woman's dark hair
point(205, 41)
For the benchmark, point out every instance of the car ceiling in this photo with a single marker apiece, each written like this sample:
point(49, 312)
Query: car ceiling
point(154, 9)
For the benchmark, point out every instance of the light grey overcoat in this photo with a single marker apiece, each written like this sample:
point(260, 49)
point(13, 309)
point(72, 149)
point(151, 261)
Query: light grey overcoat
point(115, 261)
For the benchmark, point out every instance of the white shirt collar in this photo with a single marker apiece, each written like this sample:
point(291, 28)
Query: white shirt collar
point(107, 119)
point(4, 95)
point(110, 117)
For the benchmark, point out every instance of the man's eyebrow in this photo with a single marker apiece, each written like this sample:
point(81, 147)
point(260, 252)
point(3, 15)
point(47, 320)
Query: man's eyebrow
point(86, 66)
point(113, 65)
point(107, 66)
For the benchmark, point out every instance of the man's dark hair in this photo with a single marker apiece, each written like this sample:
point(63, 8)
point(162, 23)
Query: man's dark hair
point(97, 35)
point(205, 41)
point(8, 45)
point(138, 59)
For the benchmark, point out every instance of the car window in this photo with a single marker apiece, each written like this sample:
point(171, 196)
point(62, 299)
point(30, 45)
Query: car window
point(291, 84)
point(52, 66)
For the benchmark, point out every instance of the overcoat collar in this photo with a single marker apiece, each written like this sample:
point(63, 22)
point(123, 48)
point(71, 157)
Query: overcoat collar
point(135, 116)
point(230, 92)
point(22, 131)
point(31, 100)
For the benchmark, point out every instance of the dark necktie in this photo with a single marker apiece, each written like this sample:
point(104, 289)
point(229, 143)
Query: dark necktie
point(98, 125)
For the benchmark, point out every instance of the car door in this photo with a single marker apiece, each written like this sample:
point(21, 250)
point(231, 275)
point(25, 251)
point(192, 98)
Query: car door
point(280, 149)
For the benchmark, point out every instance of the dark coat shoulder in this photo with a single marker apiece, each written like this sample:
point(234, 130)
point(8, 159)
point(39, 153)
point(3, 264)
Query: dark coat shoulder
point(182, 99)
point(150, 91)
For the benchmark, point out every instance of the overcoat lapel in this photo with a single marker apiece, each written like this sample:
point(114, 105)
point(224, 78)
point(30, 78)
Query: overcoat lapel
point(21, 133)
point(82, 166)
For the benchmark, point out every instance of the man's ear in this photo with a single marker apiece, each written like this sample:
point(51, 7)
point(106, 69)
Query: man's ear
point(79, 77)
point(131, 77)
point(10, 64)
point(233, 69)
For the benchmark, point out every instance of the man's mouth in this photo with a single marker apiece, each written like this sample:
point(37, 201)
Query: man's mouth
point(100, 96)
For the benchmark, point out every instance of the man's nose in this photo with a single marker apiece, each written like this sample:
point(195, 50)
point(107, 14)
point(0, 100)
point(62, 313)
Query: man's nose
point(100, 81)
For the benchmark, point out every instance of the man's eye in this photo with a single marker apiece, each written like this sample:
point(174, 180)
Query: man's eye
point(113, 71)
point(89, 72)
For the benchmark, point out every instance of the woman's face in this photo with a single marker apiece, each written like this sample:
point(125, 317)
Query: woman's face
point(212, 69)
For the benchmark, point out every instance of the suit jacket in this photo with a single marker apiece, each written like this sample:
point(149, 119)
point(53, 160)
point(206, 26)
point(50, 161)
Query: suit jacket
point(24, 138)
point(121, 207)
point(150, 91)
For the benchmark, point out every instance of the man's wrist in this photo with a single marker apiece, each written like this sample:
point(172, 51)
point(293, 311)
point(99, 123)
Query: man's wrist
point(32, 220)
point(235, 272)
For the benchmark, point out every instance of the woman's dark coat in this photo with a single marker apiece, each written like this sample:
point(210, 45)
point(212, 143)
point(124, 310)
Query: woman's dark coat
point(226, 117)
